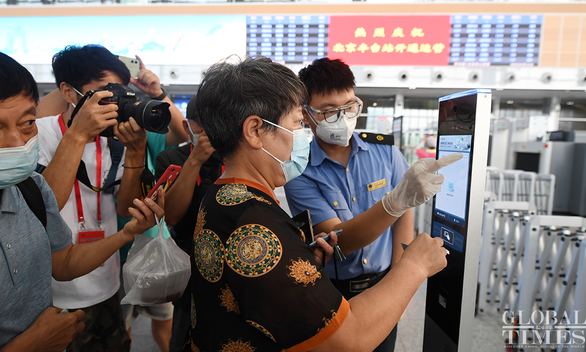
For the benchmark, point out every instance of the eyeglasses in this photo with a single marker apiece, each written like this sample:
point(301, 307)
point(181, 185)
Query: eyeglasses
point(333, 115)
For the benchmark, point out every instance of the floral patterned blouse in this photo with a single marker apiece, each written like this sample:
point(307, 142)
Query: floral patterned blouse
point(256, 285)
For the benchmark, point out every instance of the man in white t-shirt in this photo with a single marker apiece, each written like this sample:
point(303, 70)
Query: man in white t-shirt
point(90, 212)
point(36, 241)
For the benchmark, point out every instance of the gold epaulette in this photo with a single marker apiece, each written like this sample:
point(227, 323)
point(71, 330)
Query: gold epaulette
point(377, 138)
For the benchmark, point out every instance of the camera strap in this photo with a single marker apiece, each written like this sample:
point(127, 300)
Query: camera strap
point(76, 109)
point(82, 177)
point(116, 150)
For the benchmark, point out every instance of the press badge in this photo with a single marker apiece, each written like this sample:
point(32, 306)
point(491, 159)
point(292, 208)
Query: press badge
point(377, 184)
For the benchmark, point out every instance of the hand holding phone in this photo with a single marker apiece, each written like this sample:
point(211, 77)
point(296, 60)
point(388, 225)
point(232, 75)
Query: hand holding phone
point(165, 181)
point(132, 64)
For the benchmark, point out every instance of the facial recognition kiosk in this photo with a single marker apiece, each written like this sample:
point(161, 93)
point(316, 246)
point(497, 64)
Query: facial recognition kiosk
point(463, 127)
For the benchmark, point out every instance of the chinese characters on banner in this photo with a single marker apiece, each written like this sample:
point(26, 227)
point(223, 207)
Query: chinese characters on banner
point(390, 40)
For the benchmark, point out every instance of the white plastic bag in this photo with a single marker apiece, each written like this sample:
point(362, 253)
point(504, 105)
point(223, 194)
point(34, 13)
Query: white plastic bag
point(156, 270)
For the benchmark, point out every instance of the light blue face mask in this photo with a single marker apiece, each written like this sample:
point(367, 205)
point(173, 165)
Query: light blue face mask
point(299, 155)
point(16, 164)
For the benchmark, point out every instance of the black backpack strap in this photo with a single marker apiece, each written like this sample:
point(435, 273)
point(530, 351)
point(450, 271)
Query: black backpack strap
point(34, 199)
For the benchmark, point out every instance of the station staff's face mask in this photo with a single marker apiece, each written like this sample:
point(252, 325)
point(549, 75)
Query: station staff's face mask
point(338, 124)
point(16, 164)
point(299, 154)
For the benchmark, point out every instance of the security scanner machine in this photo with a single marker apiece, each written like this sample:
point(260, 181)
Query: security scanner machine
point(565, 160)
point(464, 121)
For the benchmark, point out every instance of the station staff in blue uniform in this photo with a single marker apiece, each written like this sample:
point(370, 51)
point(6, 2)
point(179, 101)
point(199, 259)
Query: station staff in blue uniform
point(348, 180)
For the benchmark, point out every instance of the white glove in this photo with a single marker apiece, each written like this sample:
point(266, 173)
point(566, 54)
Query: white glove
point(418, 185)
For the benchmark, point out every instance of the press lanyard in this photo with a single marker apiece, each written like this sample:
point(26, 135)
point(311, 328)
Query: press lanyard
point(80, 216)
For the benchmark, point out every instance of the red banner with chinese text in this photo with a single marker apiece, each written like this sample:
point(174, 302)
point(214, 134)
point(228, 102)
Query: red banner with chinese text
point(390, 40)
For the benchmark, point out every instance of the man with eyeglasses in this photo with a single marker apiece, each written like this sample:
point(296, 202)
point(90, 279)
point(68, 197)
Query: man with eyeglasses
point(347, 177)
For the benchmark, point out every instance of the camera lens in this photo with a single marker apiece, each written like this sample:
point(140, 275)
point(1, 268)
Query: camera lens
point(152, 115)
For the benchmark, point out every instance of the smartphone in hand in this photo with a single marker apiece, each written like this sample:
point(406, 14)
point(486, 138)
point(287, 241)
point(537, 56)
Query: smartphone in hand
point(165, 181)
point(132, 64)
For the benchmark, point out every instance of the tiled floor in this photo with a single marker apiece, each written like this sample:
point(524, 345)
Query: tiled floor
point(142, 339)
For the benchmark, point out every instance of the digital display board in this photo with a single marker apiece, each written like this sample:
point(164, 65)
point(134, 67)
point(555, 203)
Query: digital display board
point(390, 40)
point(377, 40)
point(485, 40)
point(287, 39)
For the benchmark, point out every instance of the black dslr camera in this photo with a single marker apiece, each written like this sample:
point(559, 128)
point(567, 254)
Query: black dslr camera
point(151, 115)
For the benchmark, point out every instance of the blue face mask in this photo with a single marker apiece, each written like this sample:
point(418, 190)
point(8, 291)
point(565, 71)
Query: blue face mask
point(299, 155)
point(16, 164)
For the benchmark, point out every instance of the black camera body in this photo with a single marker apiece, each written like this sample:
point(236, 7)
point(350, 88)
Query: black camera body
point(151, 115)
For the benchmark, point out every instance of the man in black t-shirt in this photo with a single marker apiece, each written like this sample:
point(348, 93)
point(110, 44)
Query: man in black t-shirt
point(201, 167)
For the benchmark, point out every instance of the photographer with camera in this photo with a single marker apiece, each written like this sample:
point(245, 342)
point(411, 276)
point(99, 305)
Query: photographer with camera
point(76, 161)
point(37, 243)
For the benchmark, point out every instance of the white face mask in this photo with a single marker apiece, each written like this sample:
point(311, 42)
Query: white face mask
point(338, 133)
point(192, 136)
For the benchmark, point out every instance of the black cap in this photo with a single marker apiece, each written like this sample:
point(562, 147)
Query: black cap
point(190, 111)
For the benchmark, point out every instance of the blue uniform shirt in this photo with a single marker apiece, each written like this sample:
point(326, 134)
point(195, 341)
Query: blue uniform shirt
point(330, 190)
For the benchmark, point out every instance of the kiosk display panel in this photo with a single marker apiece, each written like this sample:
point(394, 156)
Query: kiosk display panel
point(463, 127)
